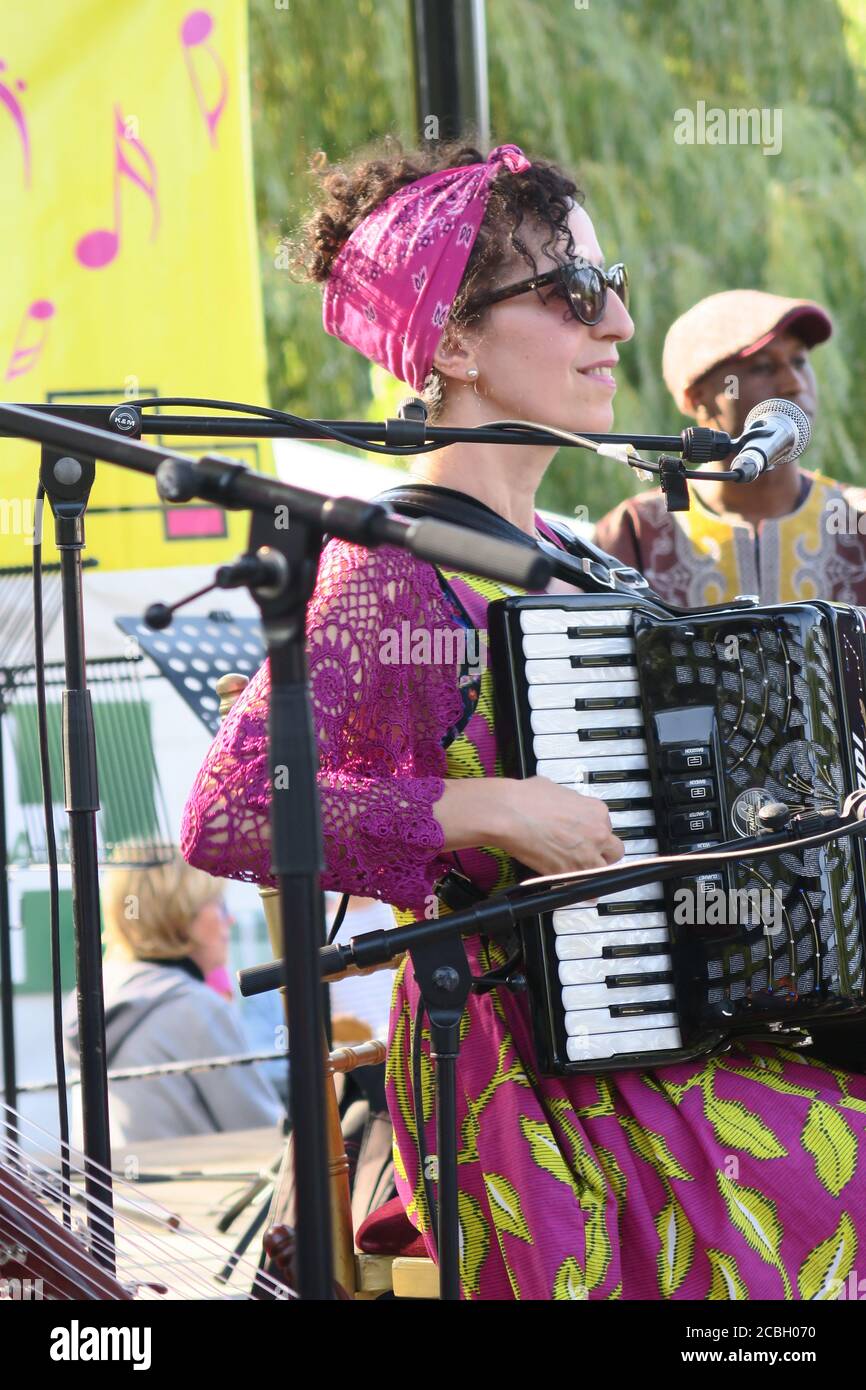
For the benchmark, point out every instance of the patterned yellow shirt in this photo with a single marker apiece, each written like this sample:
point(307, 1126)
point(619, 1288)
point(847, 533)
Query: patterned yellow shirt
point(700, 556)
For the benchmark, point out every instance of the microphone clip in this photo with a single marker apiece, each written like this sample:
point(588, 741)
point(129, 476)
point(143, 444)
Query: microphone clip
point(673, 480)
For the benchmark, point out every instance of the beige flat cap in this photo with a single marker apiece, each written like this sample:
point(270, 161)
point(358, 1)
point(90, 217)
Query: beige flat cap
point(735, 323)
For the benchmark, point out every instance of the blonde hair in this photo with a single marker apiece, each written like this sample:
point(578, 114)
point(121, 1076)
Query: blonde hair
point(147, 909)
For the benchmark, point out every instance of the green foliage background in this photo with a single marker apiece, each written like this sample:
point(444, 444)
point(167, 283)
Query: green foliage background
point(596, 89)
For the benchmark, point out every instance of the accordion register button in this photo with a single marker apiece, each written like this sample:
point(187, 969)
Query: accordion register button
point(688, 759)
point(691, 789)
point(702, 905)
point(696, 822)
point(703, 885)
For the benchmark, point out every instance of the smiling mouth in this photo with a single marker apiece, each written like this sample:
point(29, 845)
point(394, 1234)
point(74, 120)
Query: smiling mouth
point(602, 375)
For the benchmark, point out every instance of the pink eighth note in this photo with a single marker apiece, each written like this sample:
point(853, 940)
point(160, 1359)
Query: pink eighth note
point(197, 27)
point(25, 356)
point(195, 31)
point(99, 248)
point(13, 106)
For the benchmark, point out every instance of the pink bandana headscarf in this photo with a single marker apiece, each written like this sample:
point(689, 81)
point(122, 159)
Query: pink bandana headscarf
point(392, 286)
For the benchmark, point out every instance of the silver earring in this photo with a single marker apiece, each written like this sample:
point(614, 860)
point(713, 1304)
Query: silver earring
point(472, 373)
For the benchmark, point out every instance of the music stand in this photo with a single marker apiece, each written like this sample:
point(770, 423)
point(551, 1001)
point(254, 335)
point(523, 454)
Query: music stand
point(194, 652)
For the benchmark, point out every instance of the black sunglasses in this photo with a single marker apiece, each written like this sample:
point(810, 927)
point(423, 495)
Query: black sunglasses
point(585, 287)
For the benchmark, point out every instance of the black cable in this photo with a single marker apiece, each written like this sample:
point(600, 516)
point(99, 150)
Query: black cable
point(497, 976)
point(283, 417)
point(51, 844)
point(339, 919)
point(460, 869)
point(398, 450)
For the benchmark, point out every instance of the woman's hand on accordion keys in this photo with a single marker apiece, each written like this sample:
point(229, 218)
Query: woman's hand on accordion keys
point(549, 828)
point(556, 830)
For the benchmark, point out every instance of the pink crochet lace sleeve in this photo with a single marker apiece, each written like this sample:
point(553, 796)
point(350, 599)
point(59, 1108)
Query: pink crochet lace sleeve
point(379, 726)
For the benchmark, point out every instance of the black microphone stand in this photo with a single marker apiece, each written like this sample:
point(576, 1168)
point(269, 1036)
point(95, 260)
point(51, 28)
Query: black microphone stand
point(67, 482)
point(289, 564)
point(698, 444)
point(287, 534)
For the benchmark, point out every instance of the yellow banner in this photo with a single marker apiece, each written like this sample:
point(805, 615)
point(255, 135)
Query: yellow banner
point(130, 266)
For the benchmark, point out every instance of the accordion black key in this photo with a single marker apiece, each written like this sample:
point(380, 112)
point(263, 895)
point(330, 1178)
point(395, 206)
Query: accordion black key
point(686, 726)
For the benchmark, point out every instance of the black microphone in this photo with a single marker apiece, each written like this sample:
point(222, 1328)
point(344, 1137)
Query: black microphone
point(785, 433)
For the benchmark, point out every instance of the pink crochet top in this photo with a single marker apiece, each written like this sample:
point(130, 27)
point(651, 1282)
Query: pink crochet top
point(380, 727)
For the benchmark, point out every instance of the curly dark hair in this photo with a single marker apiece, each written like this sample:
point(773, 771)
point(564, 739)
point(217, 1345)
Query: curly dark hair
point(352, 189)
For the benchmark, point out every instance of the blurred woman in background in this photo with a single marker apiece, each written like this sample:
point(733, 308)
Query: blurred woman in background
point(166, 928)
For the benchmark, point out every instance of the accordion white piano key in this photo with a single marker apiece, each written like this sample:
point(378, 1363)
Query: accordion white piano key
point(564, 696)
point(597, 970)
point(612, 791)
point(585, 1047)
point(589, 945)
point(645, 893)
point(559, 620)
point(574, 770)
point(600, 1021)
point(587, 997)
point(569, 721)
point(561, 672)
point(567, 921)
point(633, 820)
point(640, 849)
point(549, 646)
point(570, 746)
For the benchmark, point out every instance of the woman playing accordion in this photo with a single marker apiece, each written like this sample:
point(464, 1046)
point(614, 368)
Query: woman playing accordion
point(739, 1177)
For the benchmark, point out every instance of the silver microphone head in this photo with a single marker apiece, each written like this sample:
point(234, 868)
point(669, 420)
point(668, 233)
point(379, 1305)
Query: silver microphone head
point(799, 418)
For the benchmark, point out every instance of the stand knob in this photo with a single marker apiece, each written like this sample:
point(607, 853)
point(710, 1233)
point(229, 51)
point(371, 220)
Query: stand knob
point(445, 977)
point(158, 616)
point(412, 408)
point(772, 817)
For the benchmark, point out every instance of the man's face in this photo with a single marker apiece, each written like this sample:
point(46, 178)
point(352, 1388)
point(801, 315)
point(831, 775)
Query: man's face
point(732, 389)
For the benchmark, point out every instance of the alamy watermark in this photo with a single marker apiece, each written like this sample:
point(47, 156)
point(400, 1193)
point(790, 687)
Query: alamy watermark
point(14, 1289)
point(21, 1290)
point(853, 1288)
point(843, 519)
point(433, 646)
point(736, 126)
point(83, 1343)
point(713, 906)
point(19, 516)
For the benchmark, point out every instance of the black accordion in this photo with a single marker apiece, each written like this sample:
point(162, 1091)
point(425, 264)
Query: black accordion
point(686, 724)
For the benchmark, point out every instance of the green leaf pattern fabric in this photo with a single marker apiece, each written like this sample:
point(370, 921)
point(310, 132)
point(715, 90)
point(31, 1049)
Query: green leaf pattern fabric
point(740, 1177)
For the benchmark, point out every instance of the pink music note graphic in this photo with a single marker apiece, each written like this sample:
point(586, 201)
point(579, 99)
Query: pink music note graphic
point(26, 355)
point(13, 106)
point(100, 247)
point(194, 33)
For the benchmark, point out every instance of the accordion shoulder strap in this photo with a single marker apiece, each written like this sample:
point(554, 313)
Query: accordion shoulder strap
point(580, 563)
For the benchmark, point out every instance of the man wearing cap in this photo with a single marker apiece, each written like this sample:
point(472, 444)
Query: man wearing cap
point(791, 534)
